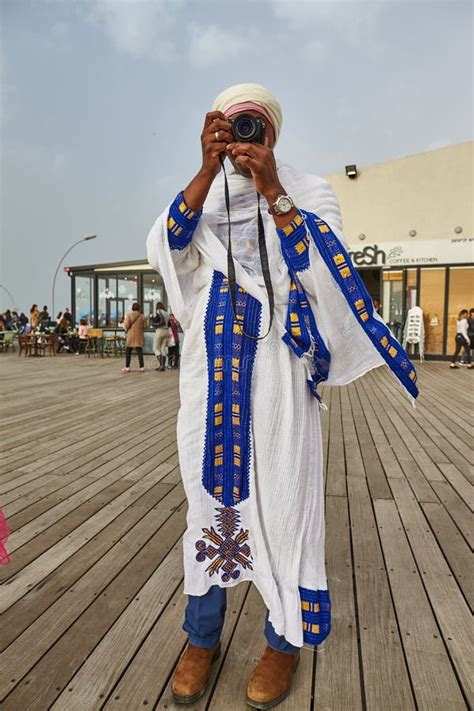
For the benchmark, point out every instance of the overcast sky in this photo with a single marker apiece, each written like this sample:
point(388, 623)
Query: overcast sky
point(103, 102)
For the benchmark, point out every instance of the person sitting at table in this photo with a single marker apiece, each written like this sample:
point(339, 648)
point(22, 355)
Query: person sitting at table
point(63, 339)
point(68, 316)
point(22, 322)
point(7, 317)
point(83, 330)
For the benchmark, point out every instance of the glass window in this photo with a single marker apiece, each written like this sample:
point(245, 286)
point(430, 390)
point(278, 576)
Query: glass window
point(106, 307)
point(461, 296)
point(127, 288)
point(432, 284)
point(84, 298)
point(392, 301)
point(411, 288)
point(153, 293)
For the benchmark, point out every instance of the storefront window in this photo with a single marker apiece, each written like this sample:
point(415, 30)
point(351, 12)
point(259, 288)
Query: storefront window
point(392, 301)
point(411, 288)
point(84, 298)
point(127, 287)
point(461, 296)
point(107, 295)
point(153, 293)
point(432, 285)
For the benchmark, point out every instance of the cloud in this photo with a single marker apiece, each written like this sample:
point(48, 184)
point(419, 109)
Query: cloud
point(354, 20)
point(211, 43)
point(139, 28)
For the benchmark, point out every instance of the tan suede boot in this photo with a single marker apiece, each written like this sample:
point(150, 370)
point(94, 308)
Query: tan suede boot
point(271, 679)
point(192, 673)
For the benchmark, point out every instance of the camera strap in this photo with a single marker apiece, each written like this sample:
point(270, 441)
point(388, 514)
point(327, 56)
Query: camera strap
point(262, 247)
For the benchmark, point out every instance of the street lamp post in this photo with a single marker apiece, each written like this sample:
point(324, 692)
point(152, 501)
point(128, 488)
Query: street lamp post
point(10, 295)
point(84, 239)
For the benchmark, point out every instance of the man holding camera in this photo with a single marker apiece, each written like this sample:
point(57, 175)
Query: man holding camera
point(257, 272)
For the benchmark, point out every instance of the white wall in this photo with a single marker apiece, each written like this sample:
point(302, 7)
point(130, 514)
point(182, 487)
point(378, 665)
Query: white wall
point(429, 192)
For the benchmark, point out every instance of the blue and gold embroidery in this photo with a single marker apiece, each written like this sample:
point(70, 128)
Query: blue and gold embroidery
point(295, 243)
point(182, 222)
point(303, 337)
point(353, 288)
point(230, 358)
point(315, 614)
point(230, 549)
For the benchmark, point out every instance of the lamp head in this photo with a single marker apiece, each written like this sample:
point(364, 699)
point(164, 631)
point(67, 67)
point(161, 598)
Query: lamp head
point(89, 237)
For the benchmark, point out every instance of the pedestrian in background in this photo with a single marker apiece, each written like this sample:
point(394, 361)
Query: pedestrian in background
point(160, 339)
point(134, 325)
point(462, 339)
point(470, 328)
point(34, 317)
point(173, 347)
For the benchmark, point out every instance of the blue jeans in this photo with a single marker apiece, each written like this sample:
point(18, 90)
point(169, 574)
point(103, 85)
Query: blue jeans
point(204, 620)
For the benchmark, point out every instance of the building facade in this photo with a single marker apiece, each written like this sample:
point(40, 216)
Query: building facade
point(409, 223)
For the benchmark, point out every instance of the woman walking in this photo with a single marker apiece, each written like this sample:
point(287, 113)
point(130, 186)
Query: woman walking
point(135, 326)
point(462, 340)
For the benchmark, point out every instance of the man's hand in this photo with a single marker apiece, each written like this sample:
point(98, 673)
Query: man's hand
point(216, 136)
point(260, 160)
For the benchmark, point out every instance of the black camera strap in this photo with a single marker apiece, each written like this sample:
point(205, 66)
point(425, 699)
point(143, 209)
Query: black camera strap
point(262, 247)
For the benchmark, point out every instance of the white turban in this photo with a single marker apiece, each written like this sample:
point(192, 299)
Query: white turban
point(241, 95)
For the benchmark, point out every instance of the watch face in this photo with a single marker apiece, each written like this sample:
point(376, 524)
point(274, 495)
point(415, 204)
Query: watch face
point(284, 204)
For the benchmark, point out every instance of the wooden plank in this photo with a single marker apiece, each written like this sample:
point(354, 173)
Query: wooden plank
point(374, 470)
point(81, 618)
point(432, 676)
point(386, 679)
point(19, 585)
point(336, 470)
point(21, 615)
point(450, 608)
point(455, 549)
point(103, 667)
point(338, 683)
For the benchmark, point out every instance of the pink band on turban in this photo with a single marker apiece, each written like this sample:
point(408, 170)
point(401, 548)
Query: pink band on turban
point(246, 106)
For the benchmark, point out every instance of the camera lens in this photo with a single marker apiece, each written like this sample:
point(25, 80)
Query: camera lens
point(245, 127)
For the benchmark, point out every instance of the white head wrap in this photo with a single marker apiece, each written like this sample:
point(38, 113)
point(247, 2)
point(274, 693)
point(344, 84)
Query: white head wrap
point(251, 93)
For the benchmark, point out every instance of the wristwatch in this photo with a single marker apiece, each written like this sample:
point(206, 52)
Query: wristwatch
point(283, 205)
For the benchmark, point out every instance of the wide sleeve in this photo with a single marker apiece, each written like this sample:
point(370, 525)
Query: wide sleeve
point(177, 266)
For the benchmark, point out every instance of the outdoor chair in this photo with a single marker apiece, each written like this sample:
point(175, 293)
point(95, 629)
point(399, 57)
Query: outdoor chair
point(7, 341)
point(50, 344)
point(95, 342)
point(26, 344)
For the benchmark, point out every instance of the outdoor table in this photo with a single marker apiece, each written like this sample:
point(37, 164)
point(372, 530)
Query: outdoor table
point(37, 337)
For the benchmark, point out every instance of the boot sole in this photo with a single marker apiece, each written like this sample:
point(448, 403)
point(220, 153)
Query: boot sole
point(191, 699)
point(274, 702)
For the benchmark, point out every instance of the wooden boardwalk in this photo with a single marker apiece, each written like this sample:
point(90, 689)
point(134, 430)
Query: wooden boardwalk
point(92, 601)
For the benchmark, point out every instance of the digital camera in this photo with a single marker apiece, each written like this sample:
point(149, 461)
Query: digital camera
point(248, 129)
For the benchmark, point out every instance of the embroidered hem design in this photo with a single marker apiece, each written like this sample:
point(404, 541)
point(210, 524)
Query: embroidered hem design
point(316, 615)
point(230, 549)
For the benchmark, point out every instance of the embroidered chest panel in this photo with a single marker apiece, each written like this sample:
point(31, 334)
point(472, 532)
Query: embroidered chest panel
point(230, 360)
